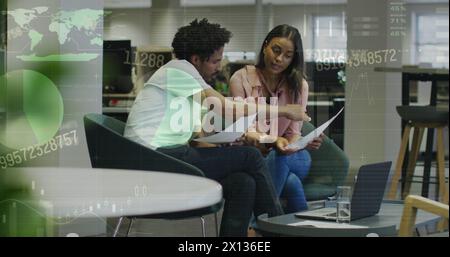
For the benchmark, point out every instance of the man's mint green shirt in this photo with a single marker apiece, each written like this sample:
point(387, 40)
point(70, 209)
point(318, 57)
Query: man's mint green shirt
point(164, 113)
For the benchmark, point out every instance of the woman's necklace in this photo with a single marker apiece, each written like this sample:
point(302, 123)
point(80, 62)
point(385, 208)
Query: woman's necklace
point(272, 81)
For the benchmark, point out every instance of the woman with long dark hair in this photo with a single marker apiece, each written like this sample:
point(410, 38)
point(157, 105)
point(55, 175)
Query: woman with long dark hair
point(279, 73)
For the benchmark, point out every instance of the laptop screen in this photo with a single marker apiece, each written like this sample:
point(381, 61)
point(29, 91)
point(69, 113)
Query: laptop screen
point(369, 189)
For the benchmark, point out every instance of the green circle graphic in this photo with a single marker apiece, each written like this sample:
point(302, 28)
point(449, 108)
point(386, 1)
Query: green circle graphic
point(33, 109)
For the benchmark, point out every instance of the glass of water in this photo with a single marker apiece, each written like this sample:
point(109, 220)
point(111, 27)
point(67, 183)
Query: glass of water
point(343, 207)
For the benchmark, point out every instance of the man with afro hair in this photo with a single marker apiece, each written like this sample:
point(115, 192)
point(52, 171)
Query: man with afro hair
point(171, 92)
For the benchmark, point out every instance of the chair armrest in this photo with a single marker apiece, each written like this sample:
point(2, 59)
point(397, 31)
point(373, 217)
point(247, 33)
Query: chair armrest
point(412, 204)
point(329, 168)
point(108, 148)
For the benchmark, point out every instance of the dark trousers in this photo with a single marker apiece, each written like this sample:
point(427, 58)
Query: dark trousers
point(244, 176)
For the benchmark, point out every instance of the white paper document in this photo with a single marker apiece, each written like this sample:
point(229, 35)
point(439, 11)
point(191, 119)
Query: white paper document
point(231, 133)
point(324, 224)
point(304, 141)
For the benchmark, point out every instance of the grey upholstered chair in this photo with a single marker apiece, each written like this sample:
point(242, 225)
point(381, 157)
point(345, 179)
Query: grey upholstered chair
point(108, 148)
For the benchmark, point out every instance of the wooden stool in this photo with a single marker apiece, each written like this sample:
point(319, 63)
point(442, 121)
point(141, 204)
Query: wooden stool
point(419, 118)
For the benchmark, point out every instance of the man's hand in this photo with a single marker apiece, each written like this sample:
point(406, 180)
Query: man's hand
point(197, 144)
point(294, 112)
point(201, 144)
point(254, 139)
point(281, 145)
point(316, 143)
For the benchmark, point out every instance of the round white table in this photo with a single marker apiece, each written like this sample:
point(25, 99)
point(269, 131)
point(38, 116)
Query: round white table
point(75, 192)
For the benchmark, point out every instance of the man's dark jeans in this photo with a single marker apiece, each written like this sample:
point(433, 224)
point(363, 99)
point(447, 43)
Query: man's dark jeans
point(244, 176)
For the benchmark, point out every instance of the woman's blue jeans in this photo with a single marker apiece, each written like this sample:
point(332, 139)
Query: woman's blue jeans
point(288, 172)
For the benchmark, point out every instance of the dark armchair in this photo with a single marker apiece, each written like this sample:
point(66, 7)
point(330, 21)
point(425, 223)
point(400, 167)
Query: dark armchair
point(329, 168)
point(108, 148)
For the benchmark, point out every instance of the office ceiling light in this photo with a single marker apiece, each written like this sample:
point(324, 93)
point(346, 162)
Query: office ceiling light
point(188, 3)
point(123, 4)
point(299, 2)
point(252, 2)
point(426, 1)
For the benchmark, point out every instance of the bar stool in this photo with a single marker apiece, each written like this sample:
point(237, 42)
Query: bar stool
point(419, 118)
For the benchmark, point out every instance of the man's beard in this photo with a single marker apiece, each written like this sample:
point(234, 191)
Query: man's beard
point(211, 79)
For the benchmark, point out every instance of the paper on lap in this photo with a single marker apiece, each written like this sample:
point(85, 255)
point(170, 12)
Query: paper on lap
point(231, 133)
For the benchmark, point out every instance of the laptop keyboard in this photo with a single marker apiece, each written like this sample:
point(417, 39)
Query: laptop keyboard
point(331, 215)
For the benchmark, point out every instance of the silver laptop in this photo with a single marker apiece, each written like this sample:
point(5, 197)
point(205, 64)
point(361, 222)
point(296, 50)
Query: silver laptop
point(367, 194)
